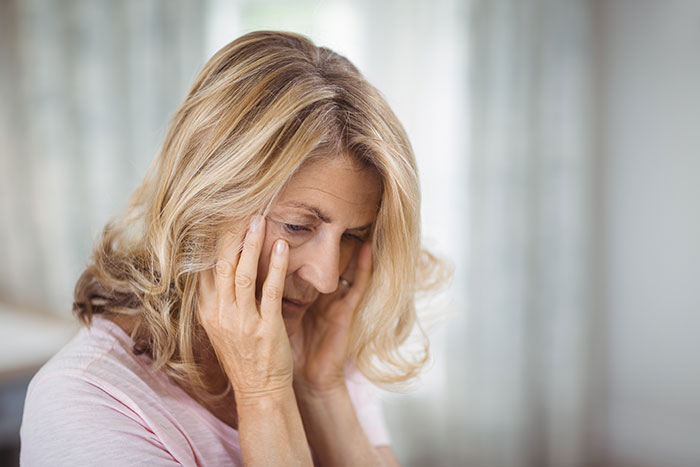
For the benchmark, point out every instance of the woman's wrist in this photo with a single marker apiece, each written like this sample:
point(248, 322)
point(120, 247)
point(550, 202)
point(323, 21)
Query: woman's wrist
point(333, 428)
point(270, 429)
point(264, 397)
point(320, 395)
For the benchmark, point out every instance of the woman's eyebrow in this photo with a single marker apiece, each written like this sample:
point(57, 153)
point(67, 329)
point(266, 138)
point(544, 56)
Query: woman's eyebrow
point(313, 210)
point(364, 227)
point(320, 215)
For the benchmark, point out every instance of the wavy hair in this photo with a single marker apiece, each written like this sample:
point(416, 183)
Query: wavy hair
point(262, 106)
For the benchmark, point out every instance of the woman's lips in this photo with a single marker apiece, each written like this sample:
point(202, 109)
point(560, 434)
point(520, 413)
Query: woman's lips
point(295, 304)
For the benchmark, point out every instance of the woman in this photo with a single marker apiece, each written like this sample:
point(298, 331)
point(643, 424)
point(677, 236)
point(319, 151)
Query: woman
point(263, 272)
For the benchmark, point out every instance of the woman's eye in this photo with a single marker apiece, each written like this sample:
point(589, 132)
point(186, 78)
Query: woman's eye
point(349, 236)
point(295, 229)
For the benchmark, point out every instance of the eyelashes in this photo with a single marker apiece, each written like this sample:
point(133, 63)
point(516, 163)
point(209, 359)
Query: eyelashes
point(300, 230)
point(358, 238)
point(295, 229)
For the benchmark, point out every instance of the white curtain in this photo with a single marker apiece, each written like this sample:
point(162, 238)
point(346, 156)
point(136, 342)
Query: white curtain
point(525, 394)
point(87, 88)
point(495, 96)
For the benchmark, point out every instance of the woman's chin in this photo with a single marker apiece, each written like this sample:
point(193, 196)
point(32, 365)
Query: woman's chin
point(292, 323)
point(292, 318)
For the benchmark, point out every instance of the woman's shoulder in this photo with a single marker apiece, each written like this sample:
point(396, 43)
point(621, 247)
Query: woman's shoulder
point(99, 353)
point(78, 406)
point(96, 396)
point(73, 418)
point(97, 370)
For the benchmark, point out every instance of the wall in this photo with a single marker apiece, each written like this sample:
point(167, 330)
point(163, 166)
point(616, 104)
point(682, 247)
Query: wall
point(649, 119)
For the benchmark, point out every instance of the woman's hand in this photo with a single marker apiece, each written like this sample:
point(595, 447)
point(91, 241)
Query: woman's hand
point(249, 338)
point(251, 343)
point(320, 354)
point(320, 347)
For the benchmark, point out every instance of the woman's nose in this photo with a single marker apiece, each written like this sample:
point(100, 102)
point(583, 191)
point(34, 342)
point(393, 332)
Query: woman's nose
point(320, 264)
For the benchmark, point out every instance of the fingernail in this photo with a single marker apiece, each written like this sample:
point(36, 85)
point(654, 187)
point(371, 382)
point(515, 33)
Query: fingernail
point(255, 223)
point(280, 246)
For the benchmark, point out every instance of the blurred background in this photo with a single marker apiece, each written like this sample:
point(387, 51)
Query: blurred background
point(559, 149)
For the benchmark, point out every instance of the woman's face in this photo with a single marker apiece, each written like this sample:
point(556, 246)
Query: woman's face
point(325, 213)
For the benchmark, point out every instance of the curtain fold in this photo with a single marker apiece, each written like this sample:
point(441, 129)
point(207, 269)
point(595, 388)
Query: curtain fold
point(528, 282)
point(87, 88)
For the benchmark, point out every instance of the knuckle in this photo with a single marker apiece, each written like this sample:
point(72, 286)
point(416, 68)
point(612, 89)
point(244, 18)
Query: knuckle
point(347, 306)
point(252, 243)
point(204, 319)
point(207, 319)
point(249, 328)
point(223, 268)
point(243, 281)
point(277, 266)
point(272, 292)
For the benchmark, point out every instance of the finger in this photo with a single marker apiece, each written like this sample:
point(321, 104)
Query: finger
point(273, 288)
point(363, 274)
point(247, 269)
point(207, 287)
point(224, 273)
point(224, 288)
point(230, 248)
point(206, 296)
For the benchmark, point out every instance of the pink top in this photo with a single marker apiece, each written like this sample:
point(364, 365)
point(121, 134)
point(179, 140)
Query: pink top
point(96, 403)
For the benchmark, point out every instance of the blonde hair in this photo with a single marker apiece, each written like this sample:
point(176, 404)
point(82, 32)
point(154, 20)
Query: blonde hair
point(262, 106)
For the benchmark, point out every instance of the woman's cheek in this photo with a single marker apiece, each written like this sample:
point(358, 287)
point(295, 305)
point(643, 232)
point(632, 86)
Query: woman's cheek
point(274, 232)
point(277, 230)
point(348, 260)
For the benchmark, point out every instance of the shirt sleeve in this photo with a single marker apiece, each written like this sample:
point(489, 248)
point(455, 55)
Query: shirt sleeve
point(70, 422)
point(368, 407)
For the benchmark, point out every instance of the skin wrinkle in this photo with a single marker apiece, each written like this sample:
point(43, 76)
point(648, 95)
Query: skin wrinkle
point(329, 193)
point(336, 195)
point(317, 214)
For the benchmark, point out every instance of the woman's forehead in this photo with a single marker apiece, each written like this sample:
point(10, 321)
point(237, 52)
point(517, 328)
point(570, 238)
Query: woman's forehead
point(333, 184)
